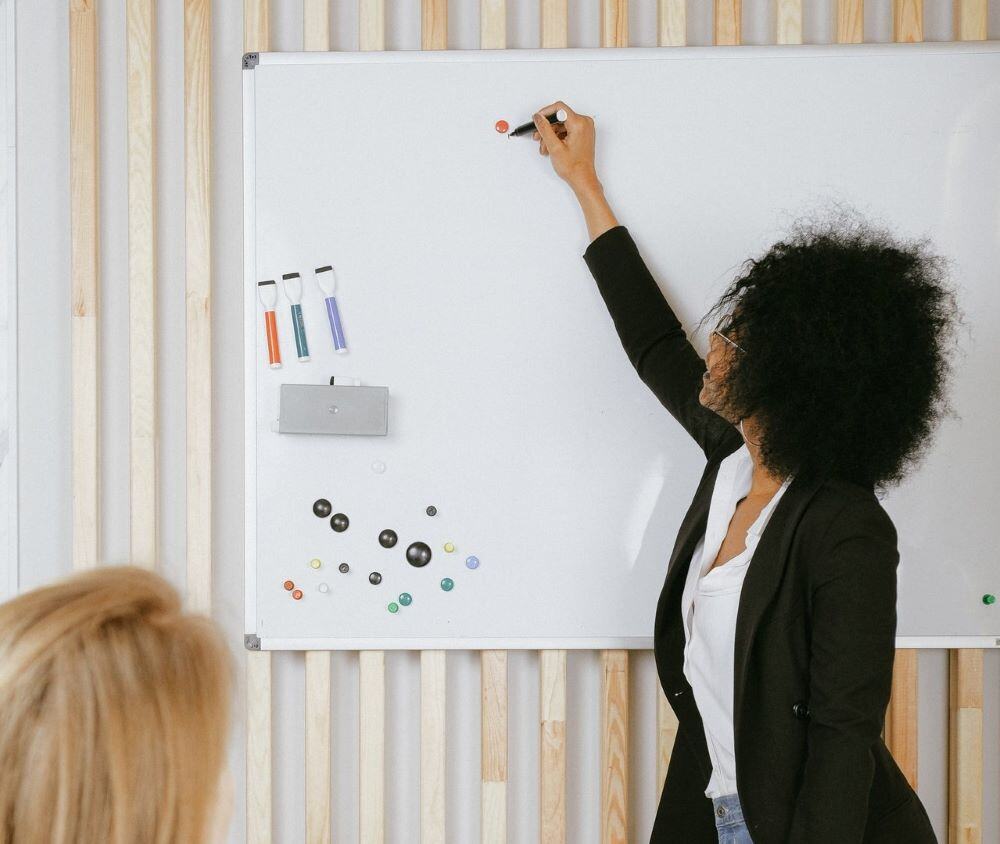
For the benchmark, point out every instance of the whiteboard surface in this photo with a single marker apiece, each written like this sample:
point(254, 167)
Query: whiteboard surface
point(513, 409)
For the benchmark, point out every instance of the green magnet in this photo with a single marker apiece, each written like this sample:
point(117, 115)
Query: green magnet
point(447, 584)
point(989, 599)
point(406, 599)
point(393, 607)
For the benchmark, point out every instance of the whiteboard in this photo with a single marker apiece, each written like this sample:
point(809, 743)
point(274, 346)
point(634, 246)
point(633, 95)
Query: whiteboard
point(512, 407)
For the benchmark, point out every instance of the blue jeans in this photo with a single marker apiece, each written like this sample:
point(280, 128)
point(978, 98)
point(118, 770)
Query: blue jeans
point(729, 821)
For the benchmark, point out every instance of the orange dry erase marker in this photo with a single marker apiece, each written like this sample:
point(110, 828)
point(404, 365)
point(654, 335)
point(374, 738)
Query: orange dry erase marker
point(267, 292)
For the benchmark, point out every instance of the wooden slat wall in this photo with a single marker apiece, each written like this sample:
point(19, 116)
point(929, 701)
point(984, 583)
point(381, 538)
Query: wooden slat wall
point(433, 718)
point(84, 250)
point(259, 820)
point(143, 482)
point(493, 811)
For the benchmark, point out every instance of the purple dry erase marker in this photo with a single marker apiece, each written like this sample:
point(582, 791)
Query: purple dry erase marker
point(328, 284)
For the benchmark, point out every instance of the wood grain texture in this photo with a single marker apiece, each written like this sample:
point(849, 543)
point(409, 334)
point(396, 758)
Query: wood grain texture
point(552, 750)
point(317, 749)
point(258, 770)
point(433, 746)
point(494, 746)
point(666, 734)
point(553, 24)
point(371, 24)
point(198, 294)
point(316, 25)
point(788, 21)
point(84, 251)
point(965, 746)
point(256, 38)
point(434, 24)
point(492, 24)
point(907, 20)
point(969, 19)
point(614, 747)
point(850, 24)
point(371, 750)
point(728, 28)
point(614, 23)
point(901, 714)
point(143, 480)
point(671, 23)
point(256, 26)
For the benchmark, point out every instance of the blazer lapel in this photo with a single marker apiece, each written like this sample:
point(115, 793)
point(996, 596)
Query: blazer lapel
point(763, 577)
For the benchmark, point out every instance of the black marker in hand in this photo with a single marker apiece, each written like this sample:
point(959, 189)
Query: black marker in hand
point(529, 127)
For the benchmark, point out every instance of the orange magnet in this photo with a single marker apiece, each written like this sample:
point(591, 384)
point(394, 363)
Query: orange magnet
point(501, 126)
point(297, 594)
point(289, 586)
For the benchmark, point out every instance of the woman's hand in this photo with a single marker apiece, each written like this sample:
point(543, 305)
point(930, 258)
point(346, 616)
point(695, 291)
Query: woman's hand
point(570, 145)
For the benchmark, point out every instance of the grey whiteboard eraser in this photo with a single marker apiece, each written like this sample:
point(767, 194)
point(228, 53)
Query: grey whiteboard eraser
point(326, 409)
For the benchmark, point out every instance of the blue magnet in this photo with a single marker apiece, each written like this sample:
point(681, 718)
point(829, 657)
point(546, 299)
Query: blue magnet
point(472, 562)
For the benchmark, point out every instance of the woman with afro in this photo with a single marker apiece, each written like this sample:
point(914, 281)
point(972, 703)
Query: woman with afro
point(823, 380)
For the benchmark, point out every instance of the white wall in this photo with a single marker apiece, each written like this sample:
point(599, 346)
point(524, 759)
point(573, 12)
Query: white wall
point(44, 406)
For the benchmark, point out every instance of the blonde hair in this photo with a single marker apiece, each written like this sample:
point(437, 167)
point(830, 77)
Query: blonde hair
point(114, 713)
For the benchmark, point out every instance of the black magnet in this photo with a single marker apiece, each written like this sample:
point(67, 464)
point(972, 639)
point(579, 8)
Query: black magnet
point(344, 568)
point(387, 538)
point(432, 510)
point(339, 522)
point(374, 578)
point(418, 554)
point(322, 508)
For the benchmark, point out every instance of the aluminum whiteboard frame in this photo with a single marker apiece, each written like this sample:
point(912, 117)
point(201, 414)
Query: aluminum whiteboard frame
point(250, 61)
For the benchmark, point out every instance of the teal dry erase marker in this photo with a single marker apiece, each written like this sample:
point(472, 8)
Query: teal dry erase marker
point(293, 292)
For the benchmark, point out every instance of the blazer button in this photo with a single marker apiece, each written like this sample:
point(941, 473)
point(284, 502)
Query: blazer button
point(801, 710)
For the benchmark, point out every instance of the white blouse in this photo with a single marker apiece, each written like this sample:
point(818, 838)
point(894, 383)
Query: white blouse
point(709, 605)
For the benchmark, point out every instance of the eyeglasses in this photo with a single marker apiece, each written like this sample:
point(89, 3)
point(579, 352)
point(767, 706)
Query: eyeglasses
point(730, 342)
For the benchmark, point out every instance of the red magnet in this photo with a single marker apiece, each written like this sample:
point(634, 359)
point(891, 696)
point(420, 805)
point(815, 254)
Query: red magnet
point(501, 126)
point(297, 594)
point(289, 586)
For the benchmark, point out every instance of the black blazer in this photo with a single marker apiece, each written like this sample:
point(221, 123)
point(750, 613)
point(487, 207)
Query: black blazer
point(815, 629)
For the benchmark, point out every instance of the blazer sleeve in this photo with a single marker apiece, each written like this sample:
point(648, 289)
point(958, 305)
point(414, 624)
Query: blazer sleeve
point(652, 336)
point(853, 624)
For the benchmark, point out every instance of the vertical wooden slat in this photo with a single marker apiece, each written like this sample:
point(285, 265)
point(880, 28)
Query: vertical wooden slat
point(552, 752)
point(614, 23)
point(788, 21)
point(671, 23)
point(258, 770)
point(666, 734)
point(614, 747)
point(256, 38)
point(434, 24)
point(198, 278)
point(554, 23)
point(969, 19)
point(965, 746)
point(850, 21)
point(371, 757)
point(492, 24)
point(901, 714)
point(907, 20)
point(317, 747)
point(494, 747)
point(316, 25)
point(84, 228)
point(371, 24)
point(433, 715)
point(728, 22)
point(142, 285)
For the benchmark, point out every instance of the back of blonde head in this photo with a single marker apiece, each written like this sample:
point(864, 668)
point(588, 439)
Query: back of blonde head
point(114, 711)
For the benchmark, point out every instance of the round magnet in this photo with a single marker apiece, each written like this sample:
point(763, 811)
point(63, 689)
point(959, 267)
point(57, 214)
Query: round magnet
point(406, 599)
point(297, 594)
point(418, 554)
point(447, 584)
point(472, 562)
point(315, 563)
point(323, 588)
point(374, 578)
point(339, 522)
point(322, 508)
point(989, 599)
point(289, 586)
point(387, 538)
point(449, 547)
point(501, 126)
point(344, 568)
point(432, 510)
point(378, 467)
point(393, 607)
